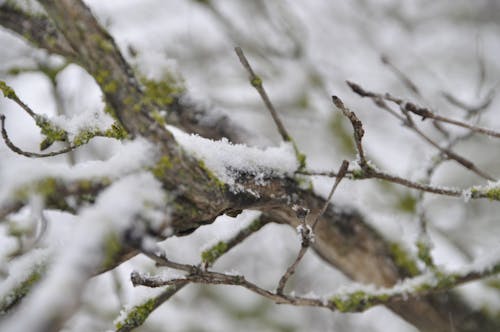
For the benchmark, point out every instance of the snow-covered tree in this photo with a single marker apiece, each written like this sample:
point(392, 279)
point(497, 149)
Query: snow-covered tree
point(159, 159)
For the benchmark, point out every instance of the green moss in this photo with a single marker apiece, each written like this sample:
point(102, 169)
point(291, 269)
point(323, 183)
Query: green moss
point(215, 180)
point(46, 187)
point(446, 281)
point(443, 282)
point(162, 92)
point(493, 194)
point(106, 81)
point(84, 137)
point(424, 254)
point(116, 131)
point(407, 203)
point(158, 117)
point(52, 132)
point(110, 86)
point(209, 256)
point(105, 45)
point(302, 158)
point(18, 293)
point(256, 82)
point(403, 260)
point(7, 91)
point(112, 250)
point(137, 315)
point(102, 76)
point(162, 166)
point(256, 225)
point(357, 301)
point(358, 174)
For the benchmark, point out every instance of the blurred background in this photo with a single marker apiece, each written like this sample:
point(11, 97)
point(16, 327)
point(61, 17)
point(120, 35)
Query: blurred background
point(304, 52)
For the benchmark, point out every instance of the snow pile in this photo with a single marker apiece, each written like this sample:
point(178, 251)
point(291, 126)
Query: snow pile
point(116, 208)
point(84, 121)
point(227, 160)
point(131, 156)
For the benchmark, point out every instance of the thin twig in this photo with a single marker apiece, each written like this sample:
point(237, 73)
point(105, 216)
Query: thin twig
point(291, 270)
point(307, 232)
point(376, 174)
point(427, 114)
point(17, 150)
point(306, 237)
point(447, 152)
point(407, 107)
point(401, 75)
point(357, 126)
point(9, 93)
point(439, 281)
point(471, 109)
point(340, 175)
point(209, 277)
point(256, 82)
point(130, 324)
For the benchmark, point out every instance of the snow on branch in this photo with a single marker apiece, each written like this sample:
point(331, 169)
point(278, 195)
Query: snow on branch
point(96, 241)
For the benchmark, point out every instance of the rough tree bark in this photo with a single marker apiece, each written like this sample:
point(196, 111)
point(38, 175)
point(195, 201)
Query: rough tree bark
point(343, 237)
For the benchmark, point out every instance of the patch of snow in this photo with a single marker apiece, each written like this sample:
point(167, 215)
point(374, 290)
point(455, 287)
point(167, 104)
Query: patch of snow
point(116, 208)
point(129, 157)
point(227, 160)
point(20, 269)
point(79, 122)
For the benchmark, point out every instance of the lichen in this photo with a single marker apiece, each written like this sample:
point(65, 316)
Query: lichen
point(84, 136)
point(357, 301)
point(162, 92)
point(44, 188)
point(18, 293)
point(301, 157)
point(407, 203)
point(358, 174)
point(493, 194)
point(403, 260)
point(116, 131)
point(256, 82)
point(158, 117)
point(7, 91)
point(210, 255)
point(214, 178)
point(112, 250)
point(161, 167)
point(441, 281)
point(424, 254)
point(52, 132)
point(137, 315)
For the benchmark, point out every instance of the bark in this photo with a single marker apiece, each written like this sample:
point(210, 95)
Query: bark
point(343, 237)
